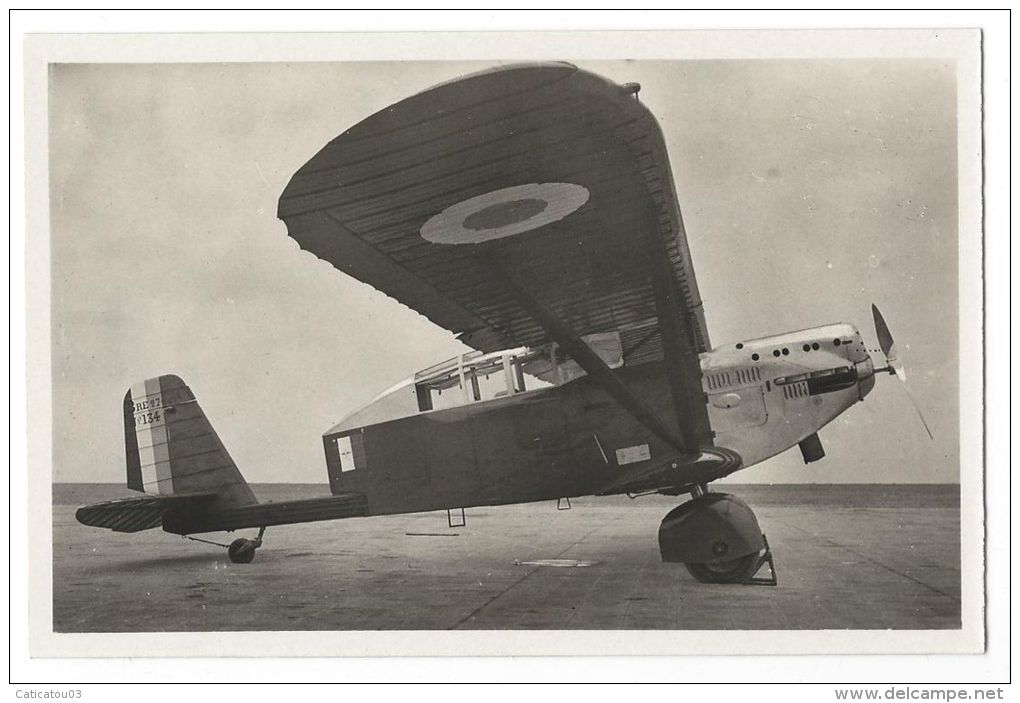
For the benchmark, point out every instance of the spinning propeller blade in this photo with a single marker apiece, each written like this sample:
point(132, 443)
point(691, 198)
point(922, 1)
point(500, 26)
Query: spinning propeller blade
point(917, 409)
point(895, 366)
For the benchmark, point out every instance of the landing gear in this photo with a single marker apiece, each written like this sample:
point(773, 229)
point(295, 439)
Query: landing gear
point(733, 571)
point(741, 570)
point(717, 537)
point(242, 551)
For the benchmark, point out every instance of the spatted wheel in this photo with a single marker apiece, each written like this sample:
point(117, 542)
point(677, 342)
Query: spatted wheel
point(732, 571)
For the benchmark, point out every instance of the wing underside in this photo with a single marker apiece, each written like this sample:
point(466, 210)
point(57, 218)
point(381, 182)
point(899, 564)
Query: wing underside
point(551, 131)
point(542, 179)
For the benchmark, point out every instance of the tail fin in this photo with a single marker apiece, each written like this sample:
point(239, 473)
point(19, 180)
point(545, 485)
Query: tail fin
point(171, 447)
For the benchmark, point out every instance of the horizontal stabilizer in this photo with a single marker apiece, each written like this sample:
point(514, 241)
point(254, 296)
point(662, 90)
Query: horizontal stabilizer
point(137, 514)
point(288, 512)
point(676, 473)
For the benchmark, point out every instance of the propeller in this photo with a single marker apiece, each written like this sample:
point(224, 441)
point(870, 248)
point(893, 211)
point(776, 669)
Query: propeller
point(893, 363)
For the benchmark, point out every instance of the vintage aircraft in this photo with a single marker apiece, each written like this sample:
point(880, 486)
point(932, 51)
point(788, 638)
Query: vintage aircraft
point(531, 211)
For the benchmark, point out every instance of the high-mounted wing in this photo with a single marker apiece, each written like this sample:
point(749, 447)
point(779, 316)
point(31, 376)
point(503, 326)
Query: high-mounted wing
point(542, 179)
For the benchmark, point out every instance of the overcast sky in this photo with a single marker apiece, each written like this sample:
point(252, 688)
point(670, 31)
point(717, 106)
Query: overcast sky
point(810, 189)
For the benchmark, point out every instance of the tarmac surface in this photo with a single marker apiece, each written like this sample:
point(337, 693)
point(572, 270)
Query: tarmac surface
point(857, 557)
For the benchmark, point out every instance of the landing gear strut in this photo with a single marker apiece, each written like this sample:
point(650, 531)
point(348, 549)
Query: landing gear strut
point(717, 537)
point(242, 551)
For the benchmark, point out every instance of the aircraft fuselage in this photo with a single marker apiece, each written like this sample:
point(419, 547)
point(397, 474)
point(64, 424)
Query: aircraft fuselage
point(763, 396)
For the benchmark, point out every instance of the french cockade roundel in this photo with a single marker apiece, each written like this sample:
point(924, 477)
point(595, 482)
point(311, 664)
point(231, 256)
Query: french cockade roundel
point(504, 213)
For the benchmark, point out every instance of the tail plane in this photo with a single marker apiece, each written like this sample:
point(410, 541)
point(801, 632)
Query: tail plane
point(190, 482)
point(172, 449)
point(174, 456)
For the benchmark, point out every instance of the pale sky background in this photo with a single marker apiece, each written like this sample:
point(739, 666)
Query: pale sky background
point(809, 189)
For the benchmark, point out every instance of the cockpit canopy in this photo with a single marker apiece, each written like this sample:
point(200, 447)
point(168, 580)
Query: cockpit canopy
point(476, 376)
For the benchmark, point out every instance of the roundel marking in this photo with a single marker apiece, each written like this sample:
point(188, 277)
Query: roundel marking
point(504, 213)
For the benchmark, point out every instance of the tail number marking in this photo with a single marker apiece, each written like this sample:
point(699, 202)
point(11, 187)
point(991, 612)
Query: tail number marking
point(147, 418)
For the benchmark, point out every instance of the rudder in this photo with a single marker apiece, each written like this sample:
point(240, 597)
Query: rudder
point(171, 447)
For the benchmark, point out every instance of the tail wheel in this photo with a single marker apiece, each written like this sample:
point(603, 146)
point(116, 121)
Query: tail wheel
point(241, 551)
point(732, 571)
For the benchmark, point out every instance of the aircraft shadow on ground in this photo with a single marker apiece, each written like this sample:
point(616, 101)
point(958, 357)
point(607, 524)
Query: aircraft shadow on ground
point(159, 562)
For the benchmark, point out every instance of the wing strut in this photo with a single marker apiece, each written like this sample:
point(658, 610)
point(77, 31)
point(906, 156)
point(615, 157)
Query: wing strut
point(683, 368)
point(588, 360)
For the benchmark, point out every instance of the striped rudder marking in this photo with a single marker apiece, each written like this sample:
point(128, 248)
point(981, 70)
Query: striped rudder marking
point(172, 449)
point(148, 446)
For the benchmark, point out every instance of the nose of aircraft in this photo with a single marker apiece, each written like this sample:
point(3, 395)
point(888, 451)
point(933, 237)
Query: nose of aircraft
point(865, 376)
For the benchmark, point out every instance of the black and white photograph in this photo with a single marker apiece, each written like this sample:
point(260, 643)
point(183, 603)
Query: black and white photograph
point(569, 352)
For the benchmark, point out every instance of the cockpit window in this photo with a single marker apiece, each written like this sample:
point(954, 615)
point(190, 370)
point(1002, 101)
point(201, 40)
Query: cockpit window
point(479, 376)
point(472, 377)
